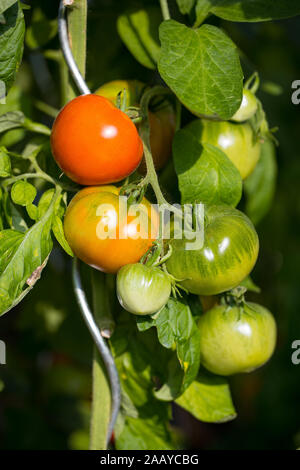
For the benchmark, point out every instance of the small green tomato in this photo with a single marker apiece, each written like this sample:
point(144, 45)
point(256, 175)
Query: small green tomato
point(142, 290)
point(236, 339)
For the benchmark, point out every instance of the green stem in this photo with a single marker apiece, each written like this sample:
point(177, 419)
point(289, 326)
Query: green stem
point(77, 29)
point(101, 299)
point(151, 176)
point(101, 404)
point(41, 175)
point(165, 9)
point(46, 108)
point(101, 400)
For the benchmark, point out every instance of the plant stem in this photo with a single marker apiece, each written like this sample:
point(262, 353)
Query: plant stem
point(46, 108)
point(41, 175)
point(101, 400)
point(101, 300)
point(165, 9)
point(77, 28)
point(101, 404)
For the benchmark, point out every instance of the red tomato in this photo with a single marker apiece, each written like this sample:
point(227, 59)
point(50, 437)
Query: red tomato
point(93, 142)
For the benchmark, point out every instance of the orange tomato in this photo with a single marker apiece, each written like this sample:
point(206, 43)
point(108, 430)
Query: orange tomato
point(94, 229)
point(162, 122)
point(93, 142)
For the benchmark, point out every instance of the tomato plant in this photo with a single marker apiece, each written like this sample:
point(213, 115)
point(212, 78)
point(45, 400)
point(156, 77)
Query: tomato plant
point(97, 174)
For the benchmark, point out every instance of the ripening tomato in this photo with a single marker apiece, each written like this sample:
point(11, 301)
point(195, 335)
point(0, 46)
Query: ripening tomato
point(208, 301)
point(93, 142)
point(248, 107)
point(228, 255)
point(237, 338)
point(142, 290)
point(162, 121)
point(103, 234)
point(237, 141)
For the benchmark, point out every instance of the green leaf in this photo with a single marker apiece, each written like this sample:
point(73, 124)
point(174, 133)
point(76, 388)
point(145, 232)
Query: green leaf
point(11, 120)
point(5, 4)
point(58, 231)
point(254, 10)
point(12, 215)
point(46, 201)
point(260, 185)
point(185, 6)
point(143, 434)
point(138, 361)
point(41, 30)
point(176, 325)
point(11, 44)
point(9, 242)
point(250, 285)
point(203, 68)
point(202, 10)
point(23, 193)
point(138, 30)
point(26, 263)
point(5, 165)
point(32, 211)
point(208, 399)
point(205, 173)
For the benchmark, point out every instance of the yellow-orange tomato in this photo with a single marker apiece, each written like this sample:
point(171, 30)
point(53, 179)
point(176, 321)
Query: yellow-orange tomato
point(162, 122)
point(208, 301)
point(93, 142)
point(104, 235)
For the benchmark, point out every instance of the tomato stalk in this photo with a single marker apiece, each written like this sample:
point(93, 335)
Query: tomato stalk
point(101, 398)
point(101, 404)
point(165, 9)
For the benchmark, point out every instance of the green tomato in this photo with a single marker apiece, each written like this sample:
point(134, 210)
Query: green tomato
point(248, 107)
point(237, 141)
point(142, 290)
point(228, 255)
point(236, 339)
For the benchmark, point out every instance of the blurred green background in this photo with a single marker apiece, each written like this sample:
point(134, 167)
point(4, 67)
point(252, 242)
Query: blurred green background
point(45, 386)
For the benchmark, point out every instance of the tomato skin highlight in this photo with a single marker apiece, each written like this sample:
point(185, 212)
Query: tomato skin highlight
point(236, 339)
point(89, 231)
point(142, 290)
point(162, 121)
point(237, 141)
point(95, 143)
point(229, 253)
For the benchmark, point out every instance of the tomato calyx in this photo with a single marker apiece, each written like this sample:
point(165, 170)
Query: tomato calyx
point(235, 297)
point(134, 192)
point(155, 257)
point(133, 112)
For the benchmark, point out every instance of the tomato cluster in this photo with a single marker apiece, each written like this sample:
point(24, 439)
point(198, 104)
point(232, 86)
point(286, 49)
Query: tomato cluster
point(95, 143)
